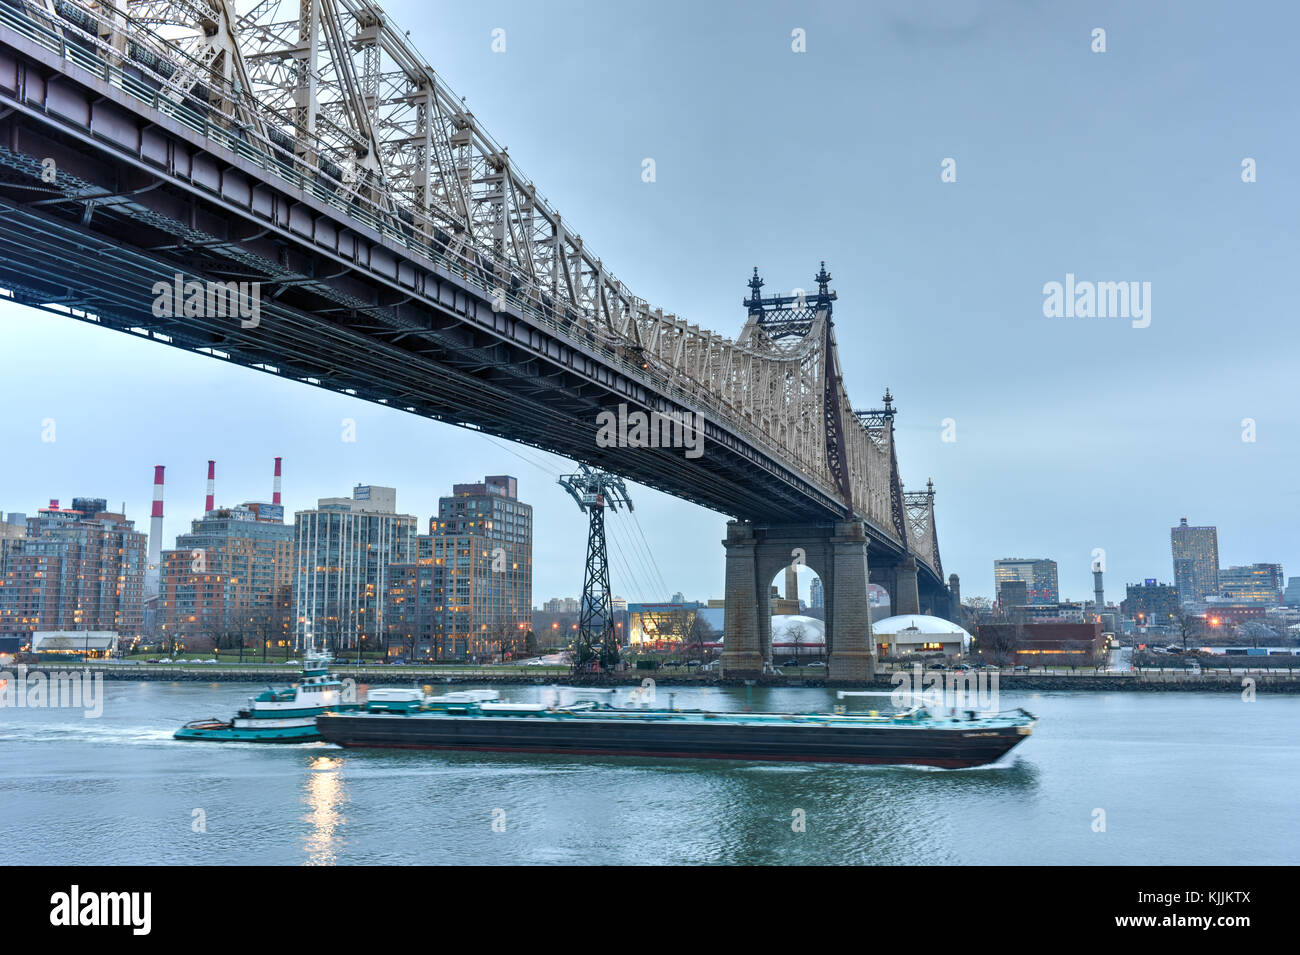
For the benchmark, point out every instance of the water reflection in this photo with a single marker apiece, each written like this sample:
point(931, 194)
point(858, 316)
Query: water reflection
point(325, 797)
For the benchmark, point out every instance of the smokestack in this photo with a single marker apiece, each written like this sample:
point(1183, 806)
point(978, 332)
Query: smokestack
point(153, 570)
point(208, 503)
point(1097, 589)
point(275, 494)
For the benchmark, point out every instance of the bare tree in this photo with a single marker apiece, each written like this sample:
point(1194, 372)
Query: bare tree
point(700, 633)
point(1002, 640)
point(798, 634)
point(1188, 624)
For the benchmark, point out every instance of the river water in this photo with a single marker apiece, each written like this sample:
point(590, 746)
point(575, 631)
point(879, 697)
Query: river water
point(1181, 778)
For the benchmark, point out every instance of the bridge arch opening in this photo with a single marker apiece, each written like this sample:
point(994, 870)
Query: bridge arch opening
point(797, 612)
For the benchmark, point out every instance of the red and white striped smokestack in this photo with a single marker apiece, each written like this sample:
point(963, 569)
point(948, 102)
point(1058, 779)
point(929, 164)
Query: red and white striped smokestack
point(157, 492)
point(209, 502)
point(153, 570)
point(275, 494)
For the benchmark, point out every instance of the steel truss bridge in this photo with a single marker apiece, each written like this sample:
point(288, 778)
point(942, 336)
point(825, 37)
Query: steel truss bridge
point(402, 256)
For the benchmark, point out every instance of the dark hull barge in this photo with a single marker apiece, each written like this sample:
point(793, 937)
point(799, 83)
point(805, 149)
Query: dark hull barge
point(916, 737)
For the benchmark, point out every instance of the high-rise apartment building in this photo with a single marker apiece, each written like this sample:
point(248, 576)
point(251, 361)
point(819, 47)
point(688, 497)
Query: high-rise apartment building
point(228, 579)
point(816, 594)
point(342, 554)
point(1039, 576)
point(469, 591)
point(1196, 561)
point(73, 570)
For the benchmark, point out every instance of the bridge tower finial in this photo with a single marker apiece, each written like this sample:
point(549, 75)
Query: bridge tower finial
point(755, 301)
point(823, 279)
point(889, 401)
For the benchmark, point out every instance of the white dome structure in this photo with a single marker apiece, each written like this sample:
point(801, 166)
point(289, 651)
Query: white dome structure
point(921, 633)
point(796, 634)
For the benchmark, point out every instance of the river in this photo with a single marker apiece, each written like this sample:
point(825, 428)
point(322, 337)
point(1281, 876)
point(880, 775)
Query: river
point(1119, 778)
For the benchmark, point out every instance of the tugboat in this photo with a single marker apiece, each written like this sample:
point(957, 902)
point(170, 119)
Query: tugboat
point(279, 716)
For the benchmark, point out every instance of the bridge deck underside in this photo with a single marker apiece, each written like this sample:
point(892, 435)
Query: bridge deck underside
point(422, 340)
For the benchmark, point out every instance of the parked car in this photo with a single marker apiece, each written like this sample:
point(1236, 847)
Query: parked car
point(963, 666)
point(817, 663)
point(938, 666)
point(399, 663)
point(1021, 667)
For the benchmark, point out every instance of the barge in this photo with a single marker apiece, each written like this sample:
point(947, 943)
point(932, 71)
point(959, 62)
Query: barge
point(917, 736)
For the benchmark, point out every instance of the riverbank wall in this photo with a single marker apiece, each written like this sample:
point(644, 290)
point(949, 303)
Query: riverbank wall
point(1169, 681)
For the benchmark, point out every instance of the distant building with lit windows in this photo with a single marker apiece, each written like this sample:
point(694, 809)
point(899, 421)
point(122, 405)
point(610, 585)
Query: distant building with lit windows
point(1251, 584)
point(468, 593)
point(1196, 561)
point(73, 570)
point(229, 578)
point(1151, 604)
point(342, 554)
point(1038, 575)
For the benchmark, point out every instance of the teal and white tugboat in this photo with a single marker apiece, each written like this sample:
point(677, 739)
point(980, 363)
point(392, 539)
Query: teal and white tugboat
point(279, 716)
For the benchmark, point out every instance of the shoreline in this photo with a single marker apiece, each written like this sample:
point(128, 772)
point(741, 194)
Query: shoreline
point(1264, 682)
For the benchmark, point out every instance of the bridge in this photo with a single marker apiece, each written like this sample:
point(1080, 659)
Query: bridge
point(305, 150)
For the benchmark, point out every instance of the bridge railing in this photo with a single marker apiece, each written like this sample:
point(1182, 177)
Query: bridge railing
point(113, 53)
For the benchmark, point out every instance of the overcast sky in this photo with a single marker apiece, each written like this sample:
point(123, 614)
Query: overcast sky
point(1071, 433)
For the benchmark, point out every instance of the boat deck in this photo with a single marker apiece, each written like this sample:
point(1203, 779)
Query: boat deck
point(915, 719)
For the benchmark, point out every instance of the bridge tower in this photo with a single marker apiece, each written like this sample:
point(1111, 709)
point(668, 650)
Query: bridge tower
point(836, 550)
point(597, 641)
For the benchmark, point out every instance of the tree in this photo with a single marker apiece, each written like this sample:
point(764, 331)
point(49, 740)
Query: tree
point(1187, 624)
point(798, 635)
point(700, 633)
point(1002, 640)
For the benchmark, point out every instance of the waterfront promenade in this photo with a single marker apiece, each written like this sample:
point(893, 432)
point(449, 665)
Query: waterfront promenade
point(1274, 680)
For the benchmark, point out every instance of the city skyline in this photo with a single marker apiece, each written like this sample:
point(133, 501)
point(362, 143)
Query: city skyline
point(970, 586)
point(939, 293)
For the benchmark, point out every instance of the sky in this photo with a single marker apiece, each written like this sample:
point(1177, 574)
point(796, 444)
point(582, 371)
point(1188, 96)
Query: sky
point(1044, 436)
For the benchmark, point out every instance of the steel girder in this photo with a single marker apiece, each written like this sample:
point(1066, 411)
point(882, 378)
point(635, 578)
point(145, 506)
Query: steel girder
point(330, 96)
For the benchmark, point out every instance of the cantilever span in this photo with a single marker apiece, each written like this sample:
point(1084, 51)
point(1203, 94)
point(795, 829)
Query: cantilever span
point(308, 150)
